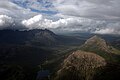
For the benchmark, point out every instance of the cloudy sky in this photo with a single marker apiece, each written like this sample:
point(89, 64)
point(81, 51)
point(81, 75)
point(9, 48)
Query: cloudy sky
point(94, 16)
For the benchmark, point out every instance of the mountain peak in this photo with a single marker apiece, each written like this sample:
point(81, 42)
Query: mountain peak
point(96, 41)
point(99, 46)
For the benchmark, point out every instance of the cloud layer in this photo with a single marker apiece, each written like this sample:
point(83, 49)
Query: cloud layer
point(94, 16)
point(97, 9)
point(73, 24)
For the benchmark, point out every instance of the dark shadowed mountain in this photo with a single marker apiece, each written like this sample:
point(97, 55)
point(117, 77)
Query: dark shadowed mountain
point(36, 36)
point(21, 52)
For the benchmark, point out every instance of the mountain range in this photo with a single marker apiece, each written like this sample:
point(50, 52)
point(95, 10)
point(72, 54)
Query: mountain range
point(82, 56)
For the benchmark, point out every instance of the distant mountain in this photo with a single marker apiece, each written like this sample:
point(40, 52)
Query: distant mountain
point(96, 42)
point(44, 37)
point(100, 46)
point(36, 36)
point(80, 65)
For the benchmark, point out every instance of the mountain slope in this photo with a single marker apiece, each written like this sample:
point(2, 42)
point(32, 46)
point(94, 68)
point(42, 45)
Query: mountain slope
point(116, 43)
point(23, 55)
point(80, 65)
point(101, 47)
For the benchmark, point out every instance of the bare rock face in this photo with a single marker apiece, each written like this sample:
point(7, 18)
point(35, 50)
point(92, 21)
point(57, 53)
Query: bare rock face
point(96, 39)
point(98, 42)
point(80, 65)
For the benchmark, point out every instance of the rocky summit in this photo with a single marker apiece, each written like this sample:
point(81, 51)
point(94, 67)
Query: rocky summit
point(80, 65)
point(97, 44)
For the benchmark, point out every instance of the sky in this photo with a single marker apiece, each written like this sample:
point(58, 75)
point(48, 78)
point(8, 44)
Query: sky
point(94, 16)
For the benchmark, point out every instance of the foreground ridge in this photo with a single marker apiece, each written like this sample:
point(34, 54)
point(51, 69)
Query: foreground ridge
point(80, 65)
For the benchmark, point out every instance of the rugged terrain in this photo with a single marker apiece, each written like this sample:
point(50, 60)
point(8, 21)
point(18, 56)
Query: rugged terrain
point(25, 53)
point(80, 65)
point(96, 57)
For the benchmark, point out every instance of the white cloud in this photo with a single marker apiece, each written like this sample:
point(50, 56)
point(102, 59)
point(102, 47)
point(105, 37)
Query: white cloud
point(73, 24)
point(5, 21)
point(67, 24)
point(32, 20)
point(105, 31)
point(37, 22)
point(40, 22)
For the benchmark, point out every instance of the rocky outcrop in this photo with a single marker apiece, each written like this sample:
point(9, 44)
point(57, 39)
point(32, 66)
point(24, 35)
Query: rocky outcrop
point(80, 65)
point(97, 42)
